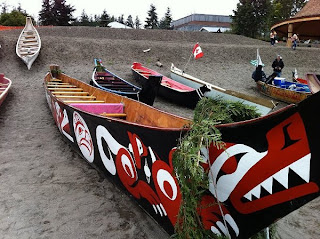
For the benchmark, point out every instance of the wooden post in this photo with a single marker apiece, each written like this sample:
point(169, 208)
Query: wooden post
point(55, 70)
point(290, 31)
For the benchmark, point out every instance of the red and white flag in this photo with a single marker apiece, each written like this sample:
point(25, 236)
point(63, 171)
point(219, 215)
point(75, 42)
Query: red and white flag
point(197, 52)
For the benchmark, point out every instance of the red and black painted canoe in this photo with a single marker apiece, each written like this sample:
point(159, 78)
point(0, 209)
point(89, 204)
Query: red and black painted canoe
point(170, 89)
point(106, 80)
point(269, 167)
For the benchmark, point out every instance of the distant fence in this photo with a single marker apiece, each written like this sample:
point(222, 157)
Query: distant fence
point(3, 28)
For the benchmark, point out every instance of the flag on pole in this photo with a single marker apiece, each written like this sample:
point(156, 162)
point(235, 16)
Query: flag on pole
point(258, 61)
point(197, 52)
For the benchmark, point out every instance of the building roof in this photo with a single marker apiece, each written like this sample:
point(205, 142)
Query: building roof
point(306, 23)
point(312, 8)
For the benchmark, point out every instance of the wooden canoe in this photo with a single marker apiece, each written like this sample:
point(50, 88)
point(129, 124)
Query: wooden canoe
point(132, 144)
point(282, 94)
point(262, 106)
point(29, 43)
point(106, 80)
point(170, 89)
point(313, 81)
point(5, 85)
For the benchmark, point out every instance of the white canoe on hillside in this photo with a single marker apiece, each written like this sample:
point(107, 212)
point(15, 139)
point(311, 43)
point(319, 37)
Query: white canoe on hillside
point(29, 43)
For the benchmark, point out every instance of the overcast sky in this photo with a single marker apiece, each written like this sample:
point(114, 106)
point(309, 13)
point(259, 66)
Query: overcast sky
point(179, 8)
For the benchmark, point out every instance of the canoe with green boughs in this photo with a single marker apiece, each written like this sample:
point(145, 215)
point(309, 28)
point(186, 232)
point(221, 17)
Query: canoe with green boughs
point(268, 168)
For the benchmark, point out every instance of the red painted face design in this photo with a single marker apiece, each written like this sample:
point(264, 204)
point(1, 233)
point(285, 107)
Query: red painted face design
point(83, 137)
point(253, 180)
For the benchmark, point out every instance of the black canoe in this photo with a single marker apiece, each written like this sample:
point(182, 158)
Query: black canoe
point(106, 80)
point(268, 168)
point(172, 90)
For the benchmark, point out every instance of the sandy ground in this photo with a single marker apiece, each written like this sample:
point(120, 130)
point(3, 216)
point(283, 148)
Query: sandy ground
point(47, 190)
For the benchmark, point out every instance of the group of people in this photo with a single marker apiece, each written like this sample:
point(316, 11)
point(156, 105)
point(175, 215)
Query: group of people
point(273, 39)
point(259, 75)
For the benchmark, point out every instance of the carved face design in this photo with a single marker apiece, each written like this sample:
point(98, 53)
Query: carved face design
point(83, 137)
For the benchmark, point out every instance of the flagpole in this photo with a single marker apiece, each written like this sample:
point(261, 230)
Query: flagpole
point(187, 62)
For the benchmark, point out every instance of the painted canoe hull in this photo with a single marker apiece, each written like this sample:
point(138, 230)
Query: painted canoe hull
point(254, 187)
point(262, 107)
point(188, 98)
point(117, 85)
point(29, 44)
point(285, 95)
point(5, 85)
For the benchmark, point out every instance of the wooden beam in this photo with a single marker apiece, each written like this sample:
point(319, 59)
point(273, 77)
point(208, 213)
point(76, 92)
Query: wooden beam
point(69, 93)
point(77, 96)
point(66, 89)
point(61, 86)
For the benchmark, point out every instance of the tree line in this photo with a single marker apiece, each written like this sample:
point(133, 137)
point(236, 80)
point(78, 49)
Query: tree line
point(59, 13)
point(254, 18)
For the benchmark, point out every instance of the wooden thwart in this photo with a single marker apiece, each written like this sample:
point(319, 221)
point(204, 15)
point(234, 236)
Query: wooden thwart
point(117, 115)
point(77, 96)
point(66, 89)
point(69, 93)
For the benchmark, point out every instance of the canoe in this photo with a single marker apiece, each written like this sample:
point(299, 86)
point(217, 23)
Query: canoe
point(171, 90)
point(29, 43)
point(5, 85)
point(262, 106)
point(313, 82)
point(132, 143)
point(106, 80)
point(282, 91)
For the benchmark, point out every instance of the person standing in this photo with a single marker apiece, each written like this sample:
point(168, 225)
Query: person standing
point(294, 40)
point(278, 65)
point(272, 38)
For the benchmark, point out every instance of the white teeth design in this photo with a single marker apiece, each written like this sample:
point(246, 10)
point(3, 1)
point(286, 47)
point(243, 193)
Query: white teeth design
point(300, 167)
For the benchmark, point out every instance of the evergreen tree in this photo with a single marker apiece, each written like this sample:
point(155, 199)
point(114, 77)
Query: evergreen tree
point(46, 16)
point(104, 19)
point(152, 19)
point(84, 19)
point(165, 22)
point(121, 19)
point(4, 8)
point(129, 21)
point(62, 13)
point(137, 23)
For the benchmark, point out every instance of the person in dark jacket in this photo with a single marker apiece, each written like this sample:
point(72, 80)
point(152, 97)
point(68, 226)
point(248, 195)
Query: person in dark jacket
point(278, 65)
point(258, 74)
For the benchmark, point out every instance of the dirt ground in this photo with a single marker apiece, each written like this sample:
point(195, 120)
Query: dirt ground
point(47, 190)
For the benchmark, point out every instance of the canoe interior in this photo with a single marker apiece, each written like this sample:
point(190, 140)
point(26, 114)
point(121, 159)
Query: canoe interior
point(5, 85)
point(136, 112)
point(29, 41)
point(166, 82)
point(282, 94)
point(313, 82)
